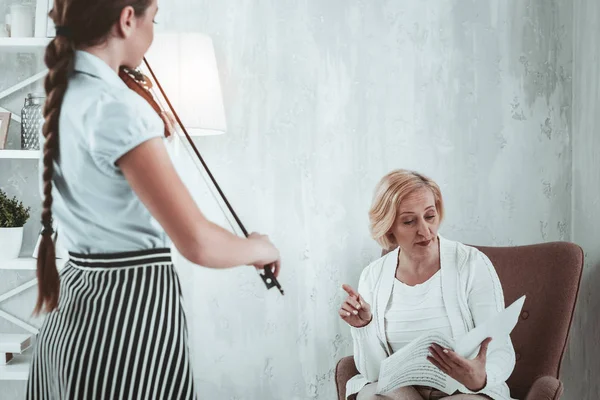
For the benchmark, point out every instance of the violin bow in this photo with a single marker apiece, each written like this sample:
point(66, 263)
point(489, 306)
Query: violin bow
point(267, 276)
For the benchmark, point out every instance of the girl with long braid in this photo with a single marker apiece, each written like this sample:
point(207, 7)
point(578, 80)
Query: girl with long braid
point(115, 326)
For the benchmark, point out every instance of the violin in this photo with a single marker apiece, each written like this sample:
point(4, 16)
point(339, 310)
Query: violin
point(139, 83)
point(142, 85)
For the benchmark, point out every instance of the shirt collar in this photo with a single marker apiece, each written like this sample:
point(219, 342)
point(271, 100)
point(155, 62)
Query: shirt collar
point(90, 64)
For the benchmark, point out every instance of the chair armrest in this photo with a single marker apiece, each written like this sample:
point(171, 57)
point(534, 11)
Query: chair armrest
point(545, 388)
point(344, 370)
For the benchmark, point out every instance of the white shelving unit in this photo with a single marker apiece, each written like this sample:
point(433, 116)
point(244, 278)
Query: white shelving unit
point(23, 45)
point(26, 263)
point(20, 154)
point(19, 345)
point(17, 369)
point(23, 264)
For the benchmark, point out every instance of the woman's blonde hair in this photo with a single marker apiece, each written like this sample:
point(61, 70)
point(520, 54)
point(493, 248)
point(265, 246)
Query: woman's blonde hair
point(389, 193)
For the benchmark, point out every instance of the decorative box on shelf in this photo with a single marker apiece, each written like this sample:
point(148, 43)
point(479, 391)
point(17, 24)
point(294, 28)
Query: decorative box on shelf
point(28, 26)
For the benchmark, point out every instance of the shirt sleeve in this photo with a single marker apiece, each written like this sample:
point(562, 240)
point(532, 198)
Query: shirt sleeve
point(368, 349)
point(123, 121)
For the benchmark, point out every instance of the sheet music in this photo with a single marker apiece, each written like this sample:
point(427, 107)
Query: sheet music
point(409, 366)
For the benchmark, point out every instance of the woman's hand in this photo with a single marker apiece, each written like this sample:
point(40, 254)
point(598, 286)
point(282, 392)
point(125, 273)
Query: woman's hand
point(470, 373)
point(355, 310)
point(270, 254)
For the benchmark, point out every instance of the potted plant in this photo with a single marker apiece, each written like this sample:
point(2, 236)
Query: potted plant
point(13, 215)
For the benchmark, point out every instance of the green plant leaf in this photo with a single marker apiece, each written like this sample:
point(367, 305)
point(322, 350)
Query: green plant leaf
point(13, 214)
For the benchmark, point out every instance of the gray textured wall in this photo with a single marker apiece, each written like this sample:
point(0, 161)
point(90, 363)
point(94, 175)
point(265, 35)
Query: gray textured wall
point(582, 363)
point(322, 99)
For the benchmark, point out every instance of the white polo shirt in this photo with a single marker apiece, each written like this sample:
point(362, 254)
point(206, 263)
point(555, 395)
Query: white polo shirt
point(101, 120)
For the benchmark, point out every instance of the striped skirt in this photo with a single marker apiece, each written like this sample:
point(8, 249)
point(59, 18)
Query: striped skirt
point(119, 332)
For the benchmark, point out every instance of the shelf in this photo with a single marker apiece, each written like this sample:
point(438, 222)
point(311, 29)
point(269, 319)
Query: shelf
point(23, 44)
point(26, 263)
point(14, 343)
point(20, 154)
point(17, 369)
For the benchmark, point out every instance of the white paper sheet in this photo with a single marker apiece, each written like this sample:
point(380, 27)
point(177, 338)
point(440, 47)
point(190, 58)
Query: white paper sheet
point(497, 327)
point(409, 366)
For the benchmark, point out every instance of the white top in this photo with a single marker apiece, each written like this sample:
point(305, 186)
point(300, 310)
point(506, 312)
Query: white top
point(101, 120)
point(471, 292)
point(414, 310)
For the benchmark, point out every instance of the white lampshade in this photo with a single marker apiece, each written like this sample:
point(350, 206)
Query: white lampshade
point(186, 67)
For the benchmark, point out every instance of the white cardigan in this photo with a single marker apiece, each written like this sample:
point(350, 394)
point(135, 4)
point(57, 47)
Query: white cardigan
point(472, 293)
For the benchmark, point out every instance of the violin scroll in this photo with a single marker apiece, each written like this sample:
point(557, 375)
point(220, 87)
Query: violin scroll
point(142, 85)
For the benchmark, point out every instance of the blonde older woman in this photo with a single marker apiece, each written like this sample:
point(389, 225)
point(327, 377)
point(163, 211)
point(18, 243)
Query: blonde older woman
point(428, 283)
